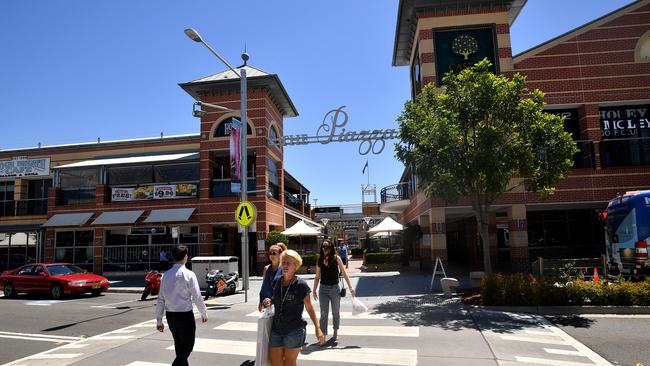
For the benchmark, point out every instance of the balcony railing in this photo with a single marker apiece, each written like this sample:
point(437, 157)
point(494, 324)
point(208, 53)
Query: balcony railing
point(76, 196)
point(221, 188)
point(396, 192)
point(292, 201)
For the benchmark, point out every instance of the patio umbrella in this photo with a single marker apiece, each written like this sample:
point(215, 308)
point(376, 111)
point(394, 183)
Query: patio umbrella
point(388, 225)
point(301, 229)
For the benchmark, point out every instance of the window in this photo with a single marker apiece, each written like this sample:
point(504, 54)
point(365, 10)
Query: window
point(130, 175)
point(38, 188)
point(625, 134)
point(74, 246)
point(176, 173)
point(78, 178)
point(416, 76)
point(7, 191)
point(26, 271)
point(274, 181)
point(224, 128)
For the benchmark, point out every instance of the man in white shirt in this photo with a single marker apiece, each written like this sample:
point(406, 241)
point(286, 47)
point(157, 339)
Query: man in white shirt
point(177, 288)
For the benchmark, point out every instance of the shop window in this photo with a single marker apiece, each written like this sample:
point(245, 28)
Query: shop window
point(625, 135)
point(131, 175)
point(7, 198)
point(116, 237)
point(74, 246)
point(65, 238)
point(83, 238)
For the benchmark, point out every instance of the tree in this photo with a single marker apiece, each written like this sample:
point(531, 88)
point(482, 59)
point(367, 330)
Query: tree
point(476, 134)
point(275, 237)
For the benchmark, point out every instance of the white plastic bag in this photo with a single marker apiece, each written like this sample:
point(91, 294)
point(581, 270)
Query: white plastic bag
point(264, 323)
point(358, 307)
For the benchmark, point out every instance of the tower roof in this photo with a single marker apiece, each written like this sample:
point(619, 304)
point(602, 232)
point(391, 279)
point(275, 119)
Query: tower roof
point(255, 78)
point(407, 19)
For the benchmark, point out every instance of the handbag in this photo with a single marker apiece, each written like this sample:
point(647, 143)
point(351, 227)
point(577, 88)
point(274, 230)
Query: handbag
point(264, 323)
point(343, 291)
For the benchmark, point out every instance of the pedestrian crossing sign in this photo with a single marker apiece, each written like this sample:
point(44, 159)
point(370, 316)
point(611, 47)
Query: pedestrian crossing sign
point(245, 213)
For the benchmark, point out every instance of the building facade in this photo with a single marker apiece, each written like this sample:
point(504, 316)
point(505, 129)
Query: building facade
point(597, 76)
point(113, 206)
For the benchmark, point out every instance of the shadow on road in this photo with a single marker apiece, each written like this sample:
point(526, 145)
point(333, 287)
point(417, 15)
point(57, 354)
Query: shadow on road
point(575, 321)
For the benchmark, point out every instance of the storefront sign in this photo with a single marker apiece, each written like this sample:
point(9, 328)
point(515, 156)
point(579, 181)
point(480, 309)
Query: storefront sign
point(624, 122)
point(331, 130)
point(23, 167)
point(148, 230)
point(458, 49)
point(166, 191)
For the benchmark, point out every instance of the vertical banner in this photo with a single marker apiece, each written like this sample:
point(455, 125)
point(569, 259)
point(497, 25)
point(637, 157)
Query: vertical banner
point(235, 173)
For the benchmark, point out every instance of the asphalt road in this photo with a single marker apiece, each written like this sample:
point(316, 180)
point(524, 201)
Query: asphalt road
point(30, 324)
point(621, 339)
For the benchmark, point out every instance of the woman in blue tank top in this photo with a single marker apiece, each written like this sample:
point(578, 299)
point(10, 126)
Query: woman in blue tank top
point(271, 272)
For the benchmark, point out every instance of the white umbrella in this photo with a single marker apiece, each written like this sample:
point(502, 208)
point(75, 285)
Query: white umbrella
point(381, 234)
point(388, 225)
point(301, 229)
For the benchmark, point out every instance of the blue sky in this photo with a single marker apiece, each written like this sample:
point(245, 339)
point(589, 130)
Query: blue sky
point(72, 71)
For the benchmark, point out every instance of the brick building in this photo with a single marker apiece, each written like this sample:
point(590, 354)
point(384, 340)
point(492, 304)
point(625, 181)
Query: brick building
point(112, 206)
point(596, 75)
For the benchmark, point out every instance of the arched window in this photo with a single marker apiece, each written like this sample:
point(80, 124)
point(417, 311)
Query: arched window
point(642, 51)
point(273, 136)
point(223, 130)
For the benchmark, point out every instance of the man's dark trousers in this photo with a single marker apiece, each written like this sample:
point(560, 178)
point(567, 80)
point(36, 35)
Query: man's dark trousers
point(183, 328)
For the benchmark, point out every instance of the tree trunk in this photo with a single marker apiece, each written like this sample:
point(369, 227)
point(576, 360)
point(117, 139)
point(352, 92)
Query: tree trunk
point(482, 222)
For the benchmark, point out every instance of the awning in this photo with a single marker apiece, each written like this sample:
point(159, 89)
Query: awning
point(118, 217)
point(131, 160)
point(73, 219)
point(170, 215)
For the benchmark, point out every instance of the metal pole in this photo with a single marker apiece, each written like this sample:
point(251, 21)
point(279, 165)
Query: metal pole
point(244, 178)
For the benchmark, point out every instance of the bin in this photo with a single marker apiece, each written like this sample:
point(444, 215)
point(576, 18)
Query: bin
point(202, 265)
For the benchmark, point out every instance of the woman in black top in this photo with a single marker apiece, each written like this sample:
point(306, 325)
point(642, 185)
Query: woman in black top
point(290, 298)
point(327, 273)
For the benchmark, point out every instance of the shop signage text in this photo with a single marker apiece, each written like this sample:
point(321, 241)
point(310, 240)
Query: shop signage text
point(157, 192)
point(624, 122)
point(23, 167)
point(331, 130)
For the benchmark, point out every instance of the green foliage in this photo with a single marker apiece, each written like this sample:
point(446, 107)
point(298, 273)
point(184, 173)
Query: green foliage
point(523, 290)
point(275, 237)
point(477, 134)
point(566, 271)
point(357, 252)
point(309, 259)
point(381, 258)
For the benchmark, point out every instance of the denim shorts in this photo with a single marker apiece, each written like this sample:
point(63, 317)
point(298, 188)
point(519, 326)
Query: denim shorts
point(294, 339)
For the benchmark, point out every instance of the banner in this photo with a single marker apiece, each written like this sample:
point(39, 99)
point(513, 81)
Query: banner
point(157, 192)
point(23, 167)
point(235, 161)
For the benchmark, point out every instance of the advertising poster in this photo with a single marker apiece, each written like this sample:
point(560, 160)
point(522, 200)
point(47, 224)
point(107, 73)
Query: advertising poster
point(122, 194)
point(186, 190)
point(164, 192)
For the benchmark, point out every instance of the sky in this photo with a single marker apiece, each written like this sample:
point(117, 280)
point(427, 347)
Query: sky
point(72, 71)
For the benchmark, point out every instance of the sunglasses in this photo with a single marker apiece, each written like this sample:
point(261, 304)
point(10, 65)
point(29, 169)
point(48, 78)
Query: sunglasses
point(326, 246)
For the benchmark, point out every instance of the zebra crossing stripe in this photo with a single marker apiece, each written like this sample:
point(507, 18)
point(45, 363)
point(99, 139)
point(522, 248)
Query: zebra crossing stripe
point(42, 356)
point(362, 355)
point(344, 315)
point(563, 352)
point(533, 340)
point(544, 361)
point(344, 330)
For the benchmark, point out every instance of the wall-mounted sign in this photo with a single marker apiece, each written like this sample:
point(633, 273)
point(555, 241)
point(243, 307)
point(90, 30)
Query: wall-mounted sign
point(458, 49)
point(331, 130)
point(157, 192)
point(623, 122)
point(24, 167)
point(148, 230)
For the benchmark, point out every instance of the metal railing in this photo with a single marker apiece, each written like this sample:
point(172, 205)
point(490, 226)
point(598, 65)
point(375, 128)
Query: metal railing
point(585, 266)
point(292, 201)
point(396, 192)
point(126, 258)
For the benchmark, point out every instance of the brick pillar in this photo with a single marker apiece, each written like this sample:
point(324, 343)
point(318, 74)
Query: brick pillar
point(52, 194)
point(101, 194)
point(518, 227)
point(48, 253)
point(206, 242)
point(98, 251)
point(424, 244)
point(438, 234)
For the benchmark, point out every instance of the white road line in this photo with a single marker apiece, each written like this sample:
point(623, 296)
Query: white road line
point(78, 345)
point(344, 315)
point(112, 338)
point(584, 350)
point(54, 355)
point(374, 356)
point(540, 332)
point(532, 340)
point(42, 336)
point(123, 331)
point(55, 340)
point(544, 361)
point(563, 352)
point(381, 331)
point(113, 304)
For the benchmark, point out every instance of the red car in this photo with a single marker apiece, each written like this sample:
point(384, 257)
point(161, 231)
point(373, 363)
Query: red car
point(56, 279)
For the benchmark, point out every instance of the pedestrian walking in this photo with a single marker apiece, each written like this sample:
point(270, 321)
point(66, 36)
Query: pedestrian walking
point(328, 270)
point(178, 288)
point(344, 252)
point(163, 259)
point(290, 298)
point(271, 273)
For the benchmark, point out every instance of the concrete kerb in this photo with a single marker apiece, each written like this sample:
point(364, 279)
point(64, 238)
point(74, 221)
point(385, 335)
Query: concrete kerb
point(570, 310)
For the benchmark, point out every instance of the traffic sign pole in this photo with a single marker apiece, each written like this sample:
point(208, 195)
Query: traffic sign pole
point(244, 174)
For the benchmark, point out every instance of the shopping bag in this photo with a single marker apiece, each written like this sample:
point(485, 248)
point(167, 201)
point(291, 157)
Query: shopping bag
point(264, 323)
point(358, 307)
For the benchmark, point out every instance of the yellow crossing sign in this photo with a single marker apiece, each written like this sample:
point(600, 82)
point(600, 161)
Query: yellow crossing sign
point(245, 213)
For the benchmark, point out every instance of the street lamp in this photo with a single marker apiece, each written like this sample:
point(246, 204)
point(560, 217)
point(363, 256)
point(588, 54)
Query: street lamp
point(325, 221)
point(194, 35)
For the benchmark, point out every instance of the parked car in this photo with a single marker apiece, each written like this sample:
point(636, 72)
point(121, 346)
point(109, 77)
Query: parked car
point(56, 279)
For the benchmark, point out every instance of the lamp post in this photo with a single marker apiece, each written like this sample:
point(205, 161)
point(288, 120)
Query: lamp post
point(325, 221)
point(194, 35)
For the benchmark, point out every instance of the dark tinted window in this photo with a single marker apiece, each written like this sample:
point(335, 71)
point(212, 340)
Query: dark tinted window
point(63, 269)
